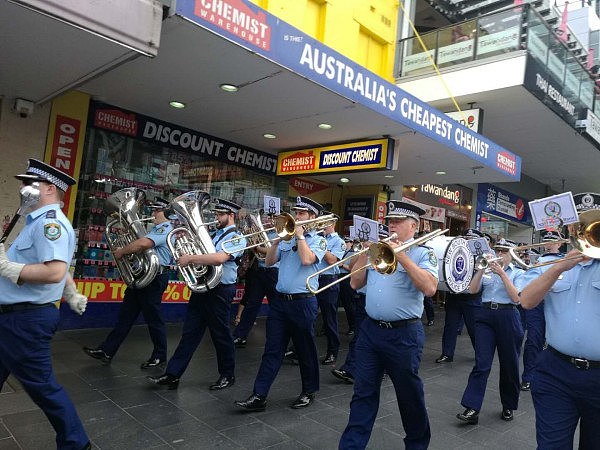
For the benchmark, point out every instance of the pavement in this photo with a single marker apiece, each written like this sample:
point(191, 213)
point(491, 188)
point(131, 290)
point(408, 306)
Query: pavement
point(121, 410)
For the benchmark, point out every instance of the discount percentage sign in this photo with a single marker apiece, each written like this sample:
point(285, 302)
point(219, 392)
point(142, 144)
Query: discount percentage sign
point(171, 293)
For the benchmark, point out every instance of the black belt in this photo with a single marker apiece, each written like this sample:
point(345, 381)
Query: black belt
point(580, 363)
point(295, 296)
point(4, 309)
point(395, 323)
point(494, 305)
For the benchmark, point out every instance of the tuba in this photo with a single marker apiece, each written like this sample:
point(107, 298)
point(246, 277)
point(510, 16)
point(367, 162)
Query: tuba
point(123, 226)
point(193, 239)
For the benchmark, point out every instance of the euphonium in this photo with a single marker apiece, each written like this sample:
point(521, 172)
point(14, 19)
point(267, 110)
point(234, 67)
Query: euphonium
point(123, 226)
point(193, 239)
point(257, 236)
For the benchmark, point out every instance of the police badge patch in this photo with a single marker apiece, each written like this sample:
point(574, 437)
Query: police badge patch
point(432, 258)
point(323, 245)
point(52, 231)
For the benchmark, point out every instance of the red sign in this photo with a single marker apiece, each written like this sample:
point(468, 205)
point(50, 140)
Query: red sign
point(306, 187)
point(298, 161)
point(237, 18)
point(381, 210)
point(116, 120)
point(520, 209)
point(64, 148)
point(507, 162)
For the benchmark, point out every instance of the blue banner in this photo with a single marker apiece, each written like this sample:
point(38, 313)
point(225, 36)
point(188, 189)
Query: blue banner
point(501, 203)
point(255, 29)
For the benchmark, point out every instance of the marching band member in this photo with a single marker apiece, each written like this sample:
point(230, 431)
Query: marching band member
point(345, 371)
point(566, 381)
point(293, 311)
point(210, 309)
point(328, 299)
point(497, 326)
point(533, 320)
point(347, 294)
point(392, 336)
point(146, 300)
point(33, 277)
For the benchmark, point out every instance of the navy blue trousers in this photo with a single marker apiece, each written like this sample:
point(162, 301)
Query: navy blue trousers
point(147, 301)
point(562, 396)
point(428, 307)
point(398, 352)
point(209, 309)
point(534, 324)
point(360, 315)
point(346, 299)
point(328, 301)
point(495, 329)
point(259, 282)
point(458, 309)
point(25, 351)
point(287, 319)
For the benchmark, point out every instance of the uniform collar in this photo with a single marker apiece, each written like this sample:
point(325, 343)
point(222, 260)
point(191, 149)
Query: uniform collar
point(223, 230)
point(38, 212)
point(331, 235)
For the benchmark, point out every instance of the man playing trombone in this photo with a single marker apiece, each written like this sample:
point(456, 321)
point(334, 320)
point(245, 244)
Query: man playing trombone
point(392, 336)
point(293, 310)
point(566, 382)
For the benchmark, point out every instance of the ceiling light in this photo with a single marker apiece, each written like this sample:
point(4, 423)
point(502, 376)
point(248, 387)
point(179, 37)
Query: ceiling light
point(388, 176)
point(344, 180)
point(229, 87)
point(269, 136)
point(440, 172)
point(325, 126)
point(177, 105)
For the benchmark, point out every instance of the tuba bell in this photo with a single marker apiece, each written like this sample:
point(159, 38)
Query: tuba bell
point(123, 226)
point(193, 239)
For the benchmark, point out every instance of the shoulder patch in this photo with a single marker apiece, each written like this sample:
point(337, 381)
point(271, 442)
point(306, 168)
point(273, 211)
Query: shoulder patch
point(51, 214)
point(52, 231)
point(323, 244)
point(432, 258)
point(160, 230)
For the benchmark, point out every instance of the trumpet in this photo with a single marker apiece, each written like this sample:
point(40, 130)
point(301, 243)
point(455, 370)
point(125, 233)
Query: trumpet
point(584, 236)
point(285, 227)
point(382, 257)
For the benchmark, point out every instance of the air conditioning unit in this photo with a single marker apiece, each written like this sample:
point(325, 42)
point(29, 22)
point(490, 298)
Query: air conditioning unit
point(581, 123)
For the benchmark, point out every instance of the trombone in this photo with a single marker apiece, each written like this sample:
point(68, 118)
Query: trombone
point(584, 236)
point(482, 262)
point(382, 257)
point(285, 227)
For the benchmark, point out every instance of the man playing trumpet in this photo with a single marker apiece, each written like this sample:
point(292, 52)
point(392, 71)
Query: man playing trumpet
point(392, 336)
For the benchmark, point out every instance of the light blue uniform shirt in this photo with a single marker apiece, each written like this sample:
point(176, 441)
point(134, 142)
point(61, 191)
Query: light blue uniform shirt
point(347, 254)
point(292, 274)
point(529, 275)
point(395, 297)
point(261, 262)
point(493, 289)
point(572, 311)
point(158, 234)
point(47, 236)
point(337, 246)
point(229, 275)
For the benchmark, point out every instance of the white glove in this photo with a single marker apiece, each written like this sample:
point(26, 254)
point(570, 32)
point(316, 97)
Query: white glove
point(9, 269)
point(77, 302)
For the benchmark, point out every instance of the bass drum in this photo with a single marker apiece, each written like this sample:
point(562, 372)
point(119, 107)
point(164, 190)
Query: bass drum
point(455, 263)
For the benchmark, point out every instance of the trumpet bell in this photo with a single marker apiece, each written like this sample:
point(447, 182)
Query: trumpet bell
point(285, 225)
point(383, 258)
point(585, 235)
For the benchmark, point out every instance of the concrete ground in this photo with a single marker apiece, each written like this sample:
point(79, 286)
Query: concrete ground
point(121, 410)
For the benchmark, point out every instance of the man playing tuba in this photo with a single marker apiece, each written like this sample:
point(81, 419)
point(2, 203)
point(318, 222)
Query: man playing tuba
point(146, 300)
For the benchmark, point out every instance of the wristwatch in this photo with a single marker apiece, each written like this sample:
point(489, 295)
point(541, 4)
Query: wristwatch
point(301, 238)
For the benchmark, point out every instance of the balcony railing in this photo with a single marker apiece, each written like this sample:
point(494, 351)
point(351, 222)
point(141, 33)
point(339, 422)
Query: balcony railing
point(506, 31)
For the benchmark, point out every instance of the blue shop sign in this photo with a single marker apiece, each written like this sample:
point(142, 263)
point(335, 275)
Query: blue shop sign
point(501, 203)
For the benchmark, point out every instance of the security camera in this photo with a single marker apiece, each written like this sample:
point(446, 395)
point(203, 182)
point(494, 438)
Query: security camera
point(24, 108)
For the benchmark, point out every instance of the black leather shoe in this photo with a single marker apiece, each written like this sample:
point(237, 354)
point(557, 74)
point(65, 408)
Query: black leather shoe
point(343, 375)
point(525, 386)
point(168, 380)
point(239, 342)
point(253, 403)
point(444, 359)
point(291, 356)
point(469, 415)
point(303, 401)
point(430, 323)
point(222, 383)
point(97, 353)
point(507, 414)
point(329, 359)
point(350, 333)
point(151, 363)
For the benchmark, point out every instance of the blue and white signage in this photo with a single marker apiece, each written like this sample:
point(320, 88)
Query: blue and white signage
point(501, 203)
point(248, 25)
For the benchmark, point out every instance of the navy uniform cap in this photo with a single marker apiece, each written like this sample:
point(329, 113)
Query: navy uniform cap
point(505, 243)
point(40, 171)
point(159, 203)
point(402, 210)
point(473, 233)
point(306, 204)
point(551, 236)
point(226, 206)
point(383, 231)
point(586, 200)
